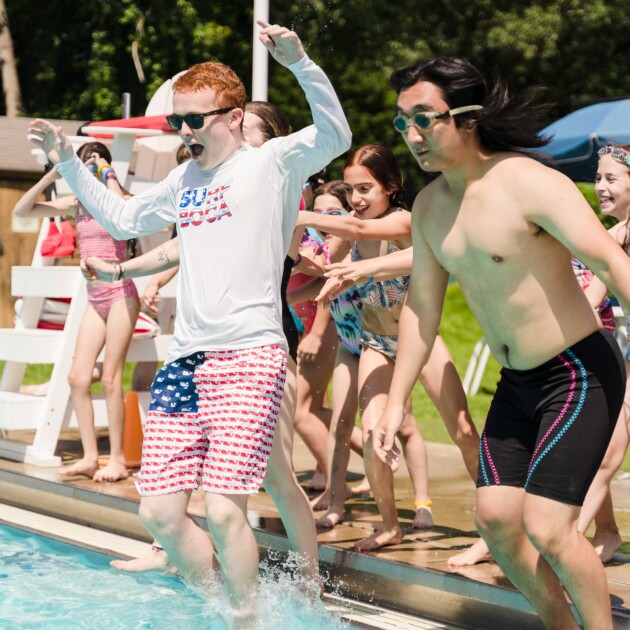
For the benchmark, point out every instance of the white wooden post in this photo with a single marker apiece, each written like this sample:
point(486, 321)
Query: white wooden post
point(260, 57)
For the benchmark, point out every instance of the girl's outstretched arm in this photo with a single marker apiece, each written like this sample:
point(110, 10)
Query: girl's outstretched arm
point(394, 226)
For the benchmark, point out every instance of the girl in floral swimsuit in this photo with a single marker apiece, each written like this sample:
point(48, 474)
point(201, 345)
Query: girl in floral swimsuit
point(374, 177)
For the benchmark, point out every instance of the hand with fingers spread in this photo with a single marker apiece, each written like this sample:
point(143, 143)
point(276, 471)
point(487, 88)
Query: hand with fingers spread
point(383, 436)
point(283, 45)
point(333, 288)
point(358, 272)
point(51, 140)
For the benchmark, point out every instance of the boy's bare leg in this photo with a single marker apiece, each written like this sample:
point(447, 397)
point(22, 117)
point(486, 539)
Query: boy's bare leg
point(552, 528)
point(500, 521)
point(237, 550)
point(186, 544)
point(285, 491)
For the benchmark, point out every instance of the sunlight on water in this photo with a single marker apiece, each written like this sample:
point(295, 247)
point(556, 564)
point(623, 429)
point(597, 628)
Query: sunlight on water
point(47, 584)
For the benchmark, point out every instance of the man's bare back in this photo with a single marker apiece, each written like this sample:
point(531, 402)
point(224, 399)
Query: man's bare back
point(516, 277)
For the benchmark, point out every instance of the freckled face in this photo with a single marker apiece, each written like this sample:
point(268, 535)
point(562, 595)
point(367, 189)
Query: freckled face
point(205, 143)
point(368, 198)
point(612, 185)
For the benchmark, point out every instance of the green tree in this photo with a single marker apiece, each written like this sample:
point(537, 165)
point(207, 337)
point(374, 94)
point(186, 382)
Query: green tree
point(75, 61)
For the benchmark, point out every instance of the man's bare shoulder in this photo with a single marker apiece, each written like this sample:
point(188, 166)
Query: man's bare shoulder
point(521, 170)
point(529, 182)
point(427, 197)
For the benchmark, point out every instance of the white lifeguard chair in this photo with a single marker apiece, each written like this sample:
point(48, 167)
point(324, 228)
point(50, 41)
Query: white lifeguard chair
point(26, 344)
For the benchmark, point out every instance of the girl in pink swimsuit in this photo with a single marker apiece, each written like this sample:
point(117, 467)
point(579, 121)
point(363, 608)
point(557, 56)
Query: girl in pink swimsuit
point(108, 321)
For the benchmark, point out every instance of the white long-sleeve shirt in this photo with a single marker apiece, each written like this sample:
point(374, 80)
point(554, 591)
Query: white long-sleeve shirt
point(235, 224)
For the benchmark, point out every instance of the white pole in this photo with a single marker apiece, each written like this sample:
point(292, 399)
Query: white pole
point(260, 57)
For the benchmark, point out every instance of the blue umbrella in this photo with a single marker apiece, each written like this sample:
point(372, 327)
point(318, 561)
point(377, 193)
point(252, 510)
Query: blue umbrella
point(577, 137)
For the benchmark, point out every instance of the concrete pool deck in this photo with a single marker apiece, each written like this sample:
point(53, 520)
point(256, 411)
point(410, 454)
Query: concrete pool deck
point(412, 577)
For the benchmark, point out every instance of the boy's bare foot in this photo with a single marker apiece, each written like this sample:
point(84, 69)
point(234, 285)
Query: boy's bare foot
point(330, 519)
point(363, 487)
point(85, 467)
point(478, 552)
point(606, 544)
point(317, 482)
point(380, 539)
point(114, 471)
point(423, 518)
point(154, 561)
point(322, 502)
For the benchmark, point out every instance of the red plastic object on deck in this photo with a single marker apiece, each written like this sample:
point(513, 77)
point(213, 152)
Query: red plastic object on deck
point(137, 122)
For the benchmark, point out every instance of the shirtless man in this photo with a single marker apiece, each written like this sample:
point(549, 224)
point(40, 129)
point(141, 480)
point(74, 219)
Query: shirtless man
point(216, 400)
point(504, 225)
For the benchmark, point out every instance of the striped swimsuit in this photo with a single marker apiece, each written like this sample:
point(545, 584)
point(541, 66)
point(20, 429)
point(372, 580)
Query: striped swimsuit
point(96, 241)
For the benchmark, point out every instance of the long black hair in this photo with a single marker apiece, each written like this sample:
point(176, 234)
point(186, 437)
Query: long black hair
point(506, 123)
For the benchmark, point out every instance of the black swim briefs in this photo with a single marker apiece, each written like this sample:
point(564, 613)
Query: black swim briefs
point(548, 428)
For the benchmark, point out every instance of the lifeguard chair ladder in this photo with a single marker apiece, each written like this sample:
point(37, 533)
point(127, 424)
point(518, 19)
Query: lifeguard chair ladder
point(26, 344)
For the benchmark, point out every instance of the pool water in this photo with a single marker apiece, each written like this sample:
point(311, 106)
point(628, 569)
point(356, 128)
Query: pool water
point(45, 583)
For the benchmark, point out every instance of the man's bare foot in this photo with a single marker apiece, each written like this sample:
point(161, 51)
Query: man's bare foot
point(114, 471)
point(154, 561)
point(380, 539)
point(317, 482)
point(85, 467)
point(322, 502)
point(330, 519)
point(478, 552)
point(606, 544)
point(423, 518)
point(363, 487)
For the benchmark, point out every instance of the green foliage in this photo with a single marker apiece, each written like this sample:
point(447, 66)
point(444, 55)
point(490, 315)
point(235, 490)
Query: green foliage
point(460, 332)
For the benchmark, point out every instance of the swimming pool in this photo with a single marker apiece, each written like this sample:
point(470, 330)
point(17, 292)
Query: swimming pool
point(46, 583)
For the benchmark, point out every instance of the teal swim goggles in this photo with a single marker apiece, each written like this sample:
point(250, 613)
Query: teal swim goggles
point(426, 120)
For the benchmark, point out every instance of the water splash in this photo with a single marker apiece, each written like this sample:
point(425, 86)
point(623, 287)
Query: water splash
point(44, 583)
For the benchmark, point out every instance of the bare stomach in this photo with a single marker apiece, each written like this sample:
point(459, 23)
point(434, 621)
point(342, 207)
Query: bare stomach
point(381, 321)
point(530, 344)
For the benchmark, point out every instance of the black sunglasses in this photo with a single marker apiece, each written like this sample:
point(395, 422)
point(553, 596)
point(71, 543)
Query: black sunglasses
point(194, 121)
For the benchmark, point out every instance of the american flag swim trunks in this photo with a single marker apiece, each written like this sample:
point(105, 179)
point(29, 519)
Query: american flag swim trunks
point(211, 421)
